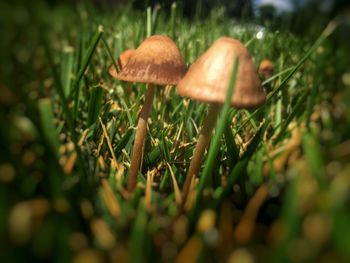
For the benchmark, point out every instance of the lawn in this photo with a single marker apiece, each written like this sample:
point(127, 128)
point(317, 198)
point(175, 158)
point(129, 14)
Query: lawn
point(274, 184)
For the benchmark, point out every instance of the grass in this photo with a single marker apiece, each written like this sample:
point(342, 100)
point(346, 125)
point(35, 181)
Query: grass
point(274, 183)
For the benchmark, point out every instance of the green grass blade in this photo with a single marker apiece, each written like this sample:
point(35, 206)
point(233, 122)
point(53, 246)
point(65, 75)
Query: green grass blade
point(313, 151)
point(241, 164)
point(138, 242)
point(257, 175)
point(173, 20)
point(152, 157)
point(67, 69)
point(341, 233)
point(164, 147)
point(47, 117)
point(311, 103)
point(290, 217)
point(155, 16)
point(149, 22)
point(279, 74)
point(221, 123)
point(109, 53)
point(86, 60)
point(299, 107)
point(232, 150)
point(279, 103)
point(127, 137)
point(94, 107)
point(127, 112)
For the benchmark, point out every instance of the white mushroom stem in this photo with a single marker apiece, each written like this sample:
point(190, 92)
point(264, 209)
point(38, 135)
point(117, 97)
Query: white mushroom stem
point(141, 131)
point(202, 143)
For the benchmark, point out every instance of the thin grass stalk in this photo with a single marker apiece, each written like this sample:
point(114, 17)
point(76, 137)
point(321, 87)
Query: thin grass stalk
point(173, 20)
point(215, 145)
point(86, 60)
point(109, 52)
point(149, 22)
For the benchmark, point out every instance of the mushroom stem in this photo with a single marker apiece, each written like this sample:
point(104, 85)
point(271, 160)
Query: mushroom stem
point(141, 131)
point(202, 143)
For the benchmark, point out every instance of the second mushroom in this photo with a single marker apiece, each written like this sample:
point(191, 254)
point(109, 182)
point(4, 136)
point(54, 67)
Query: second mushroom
point(207, 80)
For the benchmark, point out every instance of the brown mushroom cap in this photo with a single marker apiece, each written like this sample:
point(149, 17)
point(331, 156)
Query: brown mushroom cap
point(208, 77)
point(123, 59)
point(157, 60)
point(266, 68)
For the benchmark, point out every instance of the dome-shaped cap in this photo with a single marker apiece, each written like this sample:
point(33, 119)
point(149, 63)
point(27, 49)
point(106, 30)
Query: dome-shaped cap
point(208, 77)
point(266, 68)
point(123, 59)
point(157, 60)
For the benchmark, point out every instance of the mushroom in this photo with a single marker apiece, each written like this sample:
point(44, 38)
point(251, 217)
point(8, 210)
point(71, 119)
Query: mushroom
point(207, 80)
point(266, 68)
point(122, 60)
point(157, 61)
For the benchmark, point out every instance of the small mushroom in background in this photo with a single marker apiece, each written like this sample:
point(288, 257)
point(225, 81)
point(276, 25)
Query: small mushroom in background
point(207, 80)
point(266, 68)
point(122, 60)
point(157, 61)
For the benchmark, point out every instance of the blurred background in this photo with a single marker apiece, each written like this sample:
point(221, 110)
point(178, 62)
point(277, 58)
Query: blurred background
point(22, 21)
